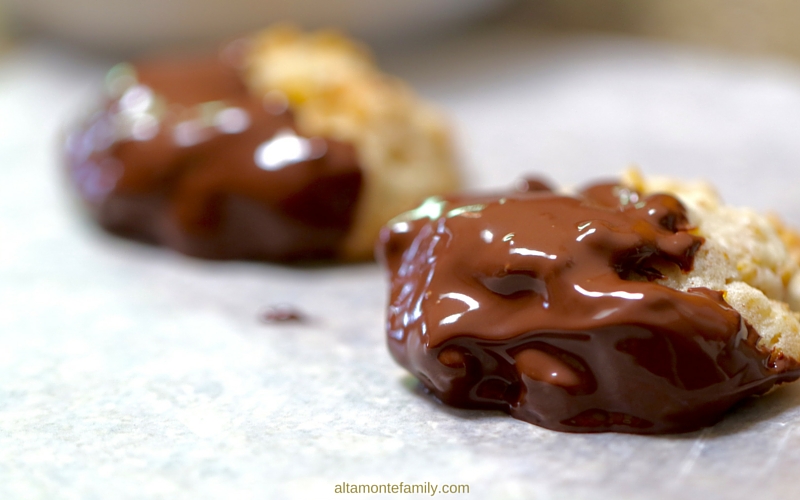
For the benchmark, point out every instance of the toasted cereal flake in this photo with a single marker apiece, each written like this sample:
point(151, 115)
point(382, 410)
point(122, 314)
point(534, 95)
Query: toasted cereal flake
point(753, 259)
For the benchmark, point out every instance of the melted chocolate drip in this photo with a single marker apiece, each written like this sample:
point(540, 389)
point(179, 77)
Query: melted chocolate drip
point(182, 155)
point(282, 313)
point(546, 306)
point(533, 184)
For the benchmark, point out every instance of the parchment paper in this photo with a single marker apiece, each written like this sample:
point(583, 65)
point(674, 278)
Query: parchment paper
point(131, 372)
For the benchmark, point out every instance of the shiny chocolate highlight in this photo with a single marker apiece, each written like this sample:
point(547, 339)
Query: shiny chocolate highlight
point(548, 307)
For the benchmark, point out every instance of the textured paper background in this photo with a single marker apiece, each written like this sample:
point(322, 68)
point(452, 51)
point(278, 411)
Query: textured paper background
point(131, 372)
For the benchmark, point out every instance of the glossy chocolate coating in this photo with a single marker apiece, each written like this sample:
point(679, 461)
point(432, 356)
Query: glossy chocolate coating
point(548, 307)
point(182, 155)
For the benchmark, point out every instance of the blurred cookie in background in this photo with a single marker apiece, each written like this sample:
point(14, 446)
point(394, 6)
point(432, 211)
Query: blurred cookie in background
point(281, 146)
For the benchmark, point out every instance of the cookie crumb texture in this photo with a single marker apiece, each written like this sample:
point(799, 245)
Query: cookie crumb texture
point(197, 154)
point(582, 313)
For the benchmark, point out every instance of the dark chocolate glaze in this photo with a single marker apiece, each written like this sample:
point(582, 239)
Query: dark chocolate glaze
point(182, 155)
point(548, 307)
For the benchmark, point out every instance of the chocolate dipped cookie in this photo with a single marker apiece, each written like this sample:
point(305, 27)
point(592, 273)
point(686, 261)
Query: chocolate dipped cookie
point(641, 306)
point(281, 146)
